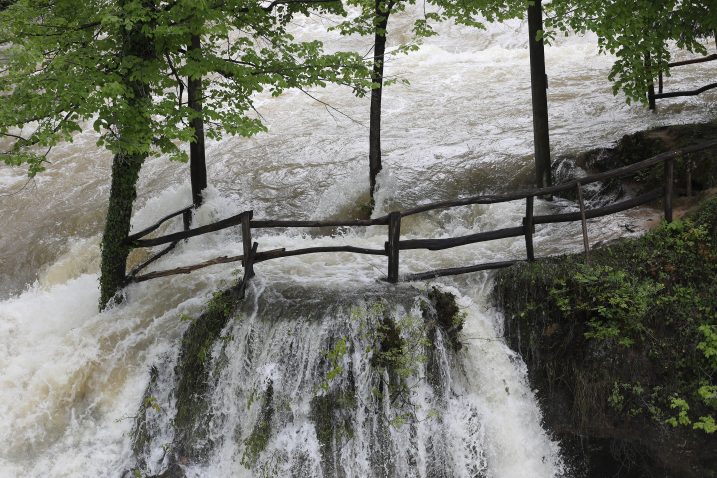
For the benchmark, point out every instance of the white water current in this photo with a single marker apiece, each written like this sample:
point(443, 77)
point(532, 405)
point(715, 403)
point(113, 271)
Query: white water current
point(71, 380)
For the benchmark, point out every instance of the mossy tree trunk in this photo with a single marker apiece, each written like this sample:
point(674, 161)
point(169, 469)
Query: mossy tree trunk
point(133, 147)
point(125, 172)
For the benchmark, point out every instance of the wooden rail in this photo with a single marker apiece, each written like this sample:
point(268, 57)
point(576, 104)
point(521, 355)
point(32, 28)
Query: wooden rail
point(652, 96)
point(394, 244)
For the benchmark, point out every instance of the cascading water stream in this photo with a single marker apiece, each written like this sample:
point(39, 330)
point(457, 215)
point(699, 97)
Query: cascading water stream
point(72, 381)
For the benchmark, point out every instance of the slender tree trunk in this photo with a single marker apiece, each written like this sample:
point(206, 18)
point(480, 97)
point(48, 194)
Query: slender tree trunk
point(197, 157)
point(539, 86)
point(652, 104)
point(126, 166)
point(379, 50)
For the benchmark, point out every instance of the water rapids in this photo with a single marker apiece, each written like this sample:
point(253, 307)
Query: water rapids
point(72, 381)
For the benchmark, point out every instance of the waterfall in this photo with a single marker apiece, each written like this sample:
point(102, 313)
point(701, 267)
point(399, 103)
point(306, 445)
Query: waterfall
point(295, 379)
point(302, 383)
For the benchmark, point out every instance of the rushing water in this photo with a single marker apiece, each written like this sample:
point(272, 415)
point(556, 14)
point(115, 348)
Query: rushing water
point(71, 380)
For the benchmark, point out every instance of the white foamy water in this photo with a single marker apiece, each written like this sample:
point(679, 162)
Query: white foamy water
point(71, 379)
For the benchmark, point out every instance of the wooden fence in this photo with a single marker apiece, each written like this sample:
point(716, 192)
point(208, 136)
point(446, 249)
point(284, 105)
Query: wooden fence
point(652, 96)
point(394, 244)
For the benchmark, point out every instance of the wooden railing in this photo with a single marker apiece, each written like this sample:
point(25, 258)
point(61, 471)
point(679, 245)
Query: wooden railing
point(392, 247)
point(652, 96)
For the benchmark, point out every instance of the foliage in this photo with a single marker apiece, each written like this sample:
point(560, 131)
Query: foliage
point(630, 29)
point(643, 317)
point(615, 302)
point(462, 12)
point(369, 17)
point(67, 63)
point(335, 357)
point(121, 65)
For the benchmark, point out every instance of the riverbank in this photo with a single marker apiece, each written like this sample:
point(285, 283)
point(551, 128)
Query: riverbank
point(693, 173)
point(622, 349)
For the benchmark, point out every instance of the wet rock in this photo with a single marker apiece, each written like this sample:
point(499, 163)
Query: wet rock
point(443, 310)
point(695, 171)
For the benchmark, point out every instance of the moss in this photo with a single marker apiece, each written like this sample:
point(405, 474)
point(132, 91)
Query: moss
point(125, 172)
point(619, 350)
point(332, 414)
point(257, 441)
point(192, 440)
point(443, 310)
point(141, 433)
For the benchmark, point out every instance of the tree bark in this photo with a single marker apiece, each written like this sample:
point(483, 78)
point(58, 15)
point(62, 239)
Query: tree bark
point(379, 50)
point(126, 166)
point(125, 172)
point(651, 84)
point(539, 86)
point(197, 156)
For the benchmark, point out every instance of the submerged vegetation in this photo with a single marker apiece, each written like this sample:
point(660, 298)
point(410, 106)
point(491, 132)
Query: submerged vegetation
point(195, 374)
point(623, 350)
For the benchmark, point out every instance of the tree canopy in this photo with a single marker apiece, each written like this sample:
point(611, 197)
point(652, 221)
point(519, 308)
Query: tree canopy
point(631, 29)
point(66, 64)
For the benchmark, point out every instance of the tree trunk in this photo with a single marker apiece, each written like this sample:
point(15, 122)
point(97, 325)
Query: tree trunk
point(197, 158)
point(651, 84)
point(379, 49)
point(539, 86)
point(125, 172)
point(126, 166)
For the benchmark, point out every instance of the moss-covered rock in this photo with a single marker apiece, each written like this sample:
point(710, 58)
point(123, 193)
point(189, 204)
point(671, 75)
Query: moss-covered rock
point(389, 343)
point(260, 435)
point(443, 311)
point(192, 441)
point(623, 352)
point(332, 414)
point(141, 433)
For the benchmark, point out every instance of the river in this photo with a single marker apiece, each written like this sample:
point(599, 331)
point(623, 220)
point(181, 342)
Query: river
point(72, 379)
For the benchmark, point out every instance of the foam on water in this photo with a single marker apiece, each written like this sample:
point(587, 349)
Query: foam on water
point(70, 377)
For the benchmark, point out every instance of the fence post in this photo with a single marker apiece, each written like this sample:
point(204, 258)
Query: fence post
point(392, 249)
point(187, 219)
point(584, 222)
point(248, 270)
point(247, 262)
point(669, 179)
point(528, 227)
point(661, 83)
